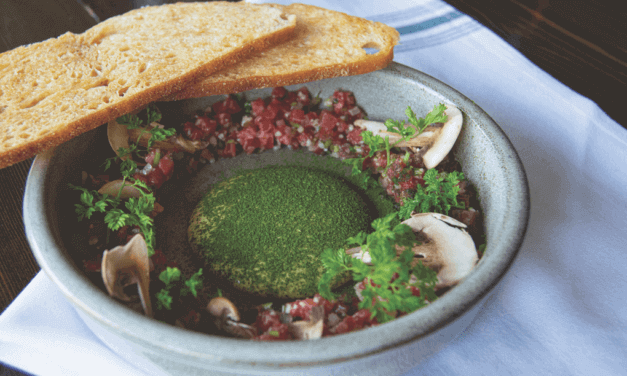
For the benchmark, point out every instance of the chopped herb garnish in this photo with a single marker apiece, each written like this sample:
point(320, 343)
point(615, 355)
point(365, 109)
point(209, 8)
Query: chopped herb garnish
point(439, 195)
point(164, 300)
point(193, 284)
point(387, 286)
point(171, 277)
point(407, 132)
point(128, 166)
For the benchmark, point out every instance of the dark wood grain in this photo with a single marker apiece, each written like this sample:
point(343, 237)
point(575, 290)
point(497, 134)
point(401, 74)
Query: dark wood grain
point(581, 43)
point(18, 265)
point(24, 22)
point(29, 21)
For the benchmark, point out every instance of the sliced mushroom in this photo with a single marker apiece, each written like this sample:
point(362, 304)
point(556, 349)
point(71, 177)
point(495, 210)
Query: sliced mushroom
point(227, 318)
point(240, 330)
point(447, 248)
point(126, 265)
point(119, 136)
point(310, 329)
point(113, 187)
point(221, 306)
point(433, 144)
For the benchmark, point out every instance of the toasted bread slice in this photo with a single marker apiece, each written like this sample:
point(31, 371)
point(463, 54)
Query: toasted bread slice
point(326, 44)
point(54, 90)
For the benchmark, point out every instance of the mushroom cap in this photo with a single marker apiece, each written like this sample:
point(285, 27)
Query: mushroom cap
point(444, 141)
point(113, 187)
point(310, 329)
point(221, 306)
point(118, 137)
point(435, 142)
point(126, 265)
point(449, 249)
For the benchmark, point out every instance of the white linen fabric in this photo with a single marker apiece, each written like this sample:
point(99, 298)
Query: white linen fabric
point(560, 310)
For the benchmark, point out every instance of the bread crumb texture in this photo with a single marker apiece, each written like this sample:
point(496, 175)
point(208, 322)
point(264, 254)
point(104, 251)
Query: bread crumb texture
point(325, 44)
point(56, 89)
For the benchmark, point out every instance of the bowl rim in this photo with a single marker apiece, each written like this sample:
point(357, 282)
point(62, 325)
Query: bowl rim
point(109, 313)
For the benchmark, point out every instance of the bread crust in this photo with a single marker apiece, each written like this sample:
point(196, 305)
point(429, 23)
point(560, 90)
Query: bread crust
point(42, 105)
point(325, 44)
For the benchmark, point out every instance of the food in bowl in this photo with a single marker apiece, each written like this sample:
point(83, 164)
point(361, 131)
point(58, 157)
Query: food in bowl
point(264, 228)
point(389, 282)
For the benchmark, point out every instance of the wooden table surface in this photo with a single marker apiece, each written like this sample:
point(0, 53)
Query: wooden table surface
point(581, 43)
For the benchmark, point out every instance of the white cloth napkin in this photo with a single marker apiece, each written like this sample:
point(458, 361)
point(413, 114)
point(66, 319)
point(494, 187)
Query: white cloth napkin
point(560, 310)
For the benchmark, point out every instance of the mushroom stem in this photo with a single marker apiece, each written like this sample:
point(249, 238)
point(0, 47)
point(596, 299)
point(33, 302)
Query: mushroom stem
point(126, 265)
point(221, 306)
point(119, 136)
point(435, 141)
point(112, 188)
point(449, 249)
point(227, 318)
point(310, 329)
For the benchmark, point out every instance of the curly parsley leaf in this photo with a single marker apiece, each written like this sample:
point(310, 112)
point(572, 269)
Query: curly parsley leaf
point(193, 284)
point(131, 121)
point(387, 281)
point(375, 142)
point(407, 131)
point(170, 275)
point(91, 202)
point(164, 299)
point(160, 134)
point(364, 178)
point(439, 195)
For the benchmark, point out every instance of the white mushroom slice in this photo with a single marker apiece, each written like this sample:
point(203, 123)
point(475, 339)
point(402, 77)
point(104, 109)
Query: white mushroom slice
point(227, 318)
point(118, 137)
point(310, 329)
point(222, 307)
point(126, 265)
point(240, 330)
point(435, 142)
point(448, 249)
point(189, 146)
point(113, 187)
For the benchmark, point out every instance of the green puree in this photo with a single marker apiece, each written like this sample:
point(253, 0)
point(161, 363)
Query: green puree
point(264, 229)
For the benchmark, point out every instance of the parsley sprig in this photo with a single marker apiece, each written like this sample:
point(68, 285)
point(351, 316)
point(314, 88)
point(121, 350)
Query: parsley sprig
point(134, 212)
point(132, 121)
point(171, 277)
point(415, 127)
point(439, 195)
point(387, 286)
point(377, 143)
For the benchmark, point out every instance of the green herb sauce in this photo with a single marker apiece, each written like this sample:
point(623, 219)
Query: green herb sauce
point(265, 229)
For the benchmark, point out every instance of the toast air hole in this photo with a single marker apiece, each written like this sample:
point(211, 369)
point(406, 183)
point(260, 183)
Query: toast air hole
point(370, 48)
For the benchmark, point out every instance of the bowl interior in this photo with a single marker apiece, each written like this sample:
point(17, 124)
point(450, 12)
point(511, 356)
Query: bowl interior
point(488, 159)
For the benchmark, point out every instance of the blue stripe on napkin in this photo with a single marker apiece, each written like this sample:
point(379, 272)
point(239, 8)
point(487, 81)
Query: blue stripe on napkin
point(430, 32)
point(429, 23)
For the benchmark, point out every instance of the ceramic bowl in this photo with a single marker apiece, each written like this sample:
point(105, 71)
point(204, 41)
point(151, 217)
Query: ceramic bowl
point(488, 159)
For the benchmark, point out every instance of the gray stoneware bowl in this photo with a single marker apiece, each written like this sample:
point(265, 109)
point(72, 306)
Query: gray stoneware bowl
point(488, 160)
